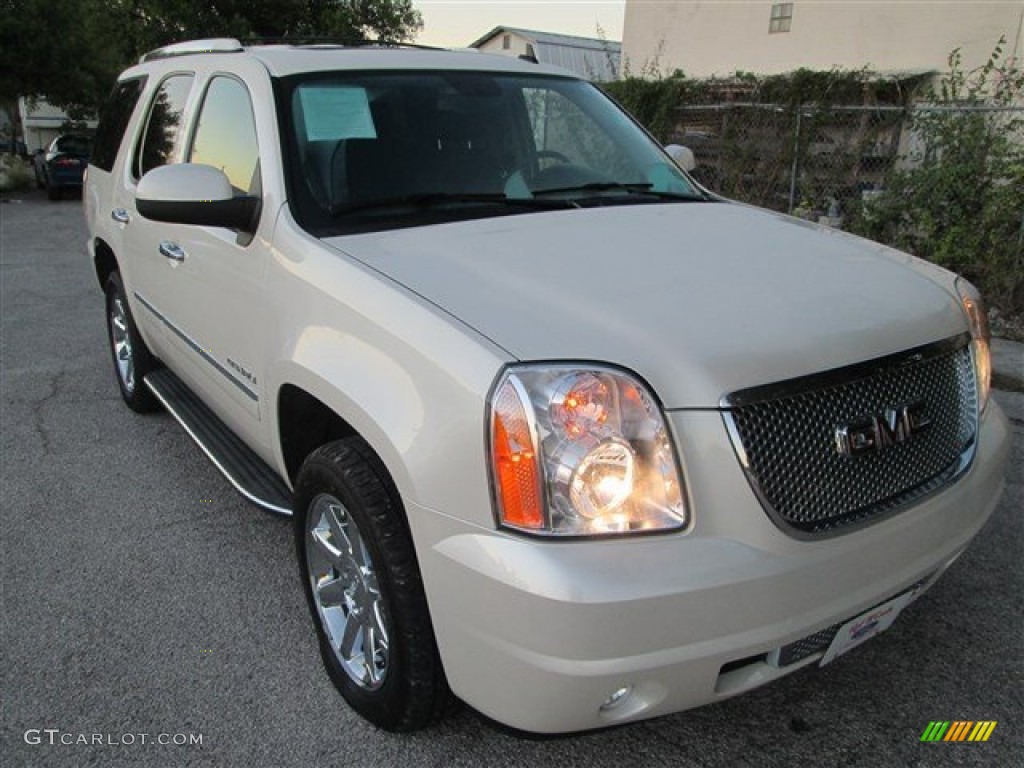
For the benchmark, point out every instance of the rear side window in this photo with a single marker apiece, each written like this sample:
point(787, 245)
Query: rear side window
point(226, 135)
point(162, 135)
point(114, 121)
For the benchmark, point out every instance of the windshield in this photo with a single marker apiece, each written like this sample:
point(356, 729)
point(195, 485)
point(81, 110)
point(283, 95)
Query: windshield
point(388, 149)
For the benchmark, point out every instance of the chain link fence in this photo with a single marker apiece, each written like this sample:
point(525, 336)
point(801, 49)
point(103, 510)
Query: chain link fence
point(821, 164)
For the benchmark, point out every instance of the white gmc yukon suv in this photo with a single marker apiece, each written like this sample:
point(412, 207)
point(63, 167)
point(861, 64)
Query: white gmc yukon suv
point(562, 433)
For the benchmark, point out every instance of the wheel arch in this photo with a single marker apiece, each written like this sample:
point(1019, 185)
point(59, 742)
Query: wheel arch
point(304, 423)
point(104, 261)
point(310, 414)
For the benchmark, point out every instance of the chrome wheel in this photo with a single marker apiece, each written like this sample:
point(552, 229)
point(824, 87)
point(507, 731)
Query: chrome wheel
point(346, 593)
point(122, 340)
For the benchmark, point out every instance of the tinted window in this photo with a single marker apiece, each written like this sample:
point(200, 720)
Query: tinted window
point(163, 129)
point(114, 121)
point(73, 145)
point(226, 135)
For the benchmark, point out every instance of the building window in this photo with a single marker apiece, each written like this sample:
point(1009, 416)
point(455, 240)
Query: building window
point(506, 42)
point(782, 17)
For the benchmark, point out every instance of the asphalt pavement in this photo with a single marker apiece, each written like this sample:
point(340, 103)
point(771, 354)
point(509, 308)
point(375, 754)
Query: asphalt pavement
point(144, 601)
point(1008, 365)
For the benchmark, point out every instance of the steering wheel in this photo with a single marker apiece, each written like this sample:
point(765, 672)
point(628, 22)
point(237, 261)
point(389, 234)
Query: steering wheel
point(550, 154)
point(564, 173)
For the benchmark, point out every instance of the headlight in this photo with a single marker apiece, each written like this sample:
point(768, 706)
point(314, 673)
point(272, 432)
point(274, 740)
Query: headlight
point(580, 450)
point(977, 318)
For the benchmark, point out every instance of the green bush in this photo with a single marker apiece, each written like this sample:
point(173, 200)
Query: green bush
point(653, 102)
point(654, 99)
point(960, 200)
point(15, 174)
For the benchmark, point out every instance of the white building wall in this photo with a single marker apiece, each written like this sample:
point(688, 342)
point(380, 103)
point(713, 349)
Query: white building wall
point(721, 37)
point(42, 123)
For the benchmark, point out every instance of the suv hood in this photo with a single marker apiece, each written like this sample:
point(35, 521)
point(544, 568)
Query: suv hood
point(700, 299)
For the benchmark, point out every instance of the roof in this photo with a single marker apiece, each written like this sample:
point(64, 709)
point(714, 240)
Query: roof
point(284, 60)
point(588, 57)
point(553, 38)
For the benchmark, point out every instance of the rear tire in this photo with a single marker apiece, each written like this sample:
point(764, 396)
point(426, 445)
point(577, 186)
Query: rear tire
point(363, 586)
point(132, 358)
point(53, 192)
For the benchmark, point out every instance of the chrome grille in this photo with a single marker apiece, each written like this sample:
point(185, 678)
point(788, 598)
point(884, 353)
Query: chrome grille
point(785, 436)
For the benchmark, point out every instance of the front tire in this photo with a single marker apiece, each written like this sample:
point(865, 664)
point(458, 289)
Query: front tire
point(363, 586)
point(132, 358)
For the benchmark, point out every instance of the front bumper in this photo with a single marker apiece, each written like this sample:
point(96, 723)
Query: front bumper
point(538, 635)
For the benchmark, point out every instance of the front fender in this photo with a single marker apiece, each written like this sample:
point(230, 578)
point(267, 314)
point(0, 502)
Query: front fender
point(428, 431)
point(409, 378)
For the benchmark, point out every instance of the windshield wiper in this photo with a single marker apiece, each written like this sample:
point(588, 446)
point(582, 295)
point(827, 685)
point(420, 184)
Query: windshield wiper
point(435, 199)
point(632, 188)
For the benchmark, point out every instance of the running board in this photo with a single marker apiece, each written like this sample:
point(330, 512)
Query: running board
point(250, 475)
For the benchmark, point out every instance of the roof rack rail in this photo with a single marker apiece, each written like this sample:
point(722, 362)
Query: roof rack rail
point(209, 45)
point(331, 40)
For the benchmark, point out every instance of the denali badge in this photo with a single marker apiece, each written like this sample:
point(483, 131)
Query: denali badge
point(881, 430)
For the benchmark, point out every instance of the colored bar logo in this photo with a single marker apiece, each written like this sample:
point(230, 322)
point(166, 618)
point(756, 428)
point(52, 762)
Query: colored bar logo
point(958, 730)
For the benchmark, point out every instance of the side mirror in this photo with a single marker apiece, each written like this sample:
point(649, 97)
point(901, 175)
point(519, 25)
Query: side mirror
point(682, 156)
point(190, 193)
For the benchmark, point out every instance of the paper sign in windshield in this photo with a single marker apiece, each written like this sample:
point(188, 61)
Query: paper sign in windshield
point(332, 113)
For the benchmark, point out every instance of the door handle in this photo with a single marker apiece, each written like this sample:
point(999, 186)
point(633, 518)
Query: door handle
point(172, 250)
point(120, 215)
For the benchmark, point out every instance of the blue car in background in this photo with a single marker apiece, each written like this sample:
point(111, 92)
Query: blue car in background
point(62, 164)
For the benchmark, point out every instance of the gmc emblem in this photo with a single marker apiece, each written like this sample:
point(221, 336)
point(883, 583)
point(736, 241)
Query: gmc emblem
point(882, 430)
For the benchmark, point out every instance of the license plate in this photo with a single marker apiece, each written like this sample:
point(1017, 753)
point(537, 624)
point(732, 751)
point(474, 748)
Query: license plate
point(870, 623)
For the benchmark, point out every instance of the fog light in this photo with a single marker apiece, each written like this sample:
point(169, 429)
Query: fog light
point(616, 698)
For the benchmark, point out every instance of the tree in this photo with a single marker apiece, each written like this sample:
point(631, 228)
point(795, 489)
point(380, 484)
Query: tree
point(72, 55)
point(389, 20)
point(159, 22)
point(68, 57)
